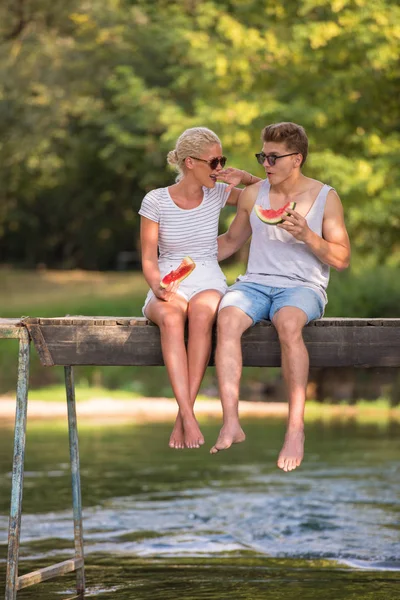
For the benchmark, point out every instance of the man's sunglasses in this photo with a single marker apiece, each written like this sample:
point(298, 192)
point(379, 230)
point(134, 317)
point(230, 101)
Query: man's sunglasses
point(214, 162)
point(270, 158)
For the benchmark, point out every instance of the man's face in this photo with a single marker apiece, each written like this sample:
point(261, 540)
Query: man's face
point(283, 167)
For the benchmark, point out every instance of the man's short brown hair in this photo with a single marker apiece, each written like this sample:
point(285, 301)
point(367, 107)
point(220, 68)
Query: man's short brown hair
point(291, 134)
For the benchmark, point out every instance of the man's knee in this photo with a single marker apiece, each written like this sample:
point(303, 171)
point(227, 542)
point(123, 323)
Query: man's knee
point(289, 324)
point(232, 322)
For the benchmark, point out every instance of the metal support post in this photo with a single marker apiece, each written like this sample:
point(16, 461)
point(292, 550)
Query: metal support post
point(18, 466)
point(76, 482)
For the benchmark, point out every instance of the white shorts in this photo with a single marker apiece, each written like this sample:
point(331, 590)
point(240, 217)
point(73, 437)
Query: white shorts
point(206, 276)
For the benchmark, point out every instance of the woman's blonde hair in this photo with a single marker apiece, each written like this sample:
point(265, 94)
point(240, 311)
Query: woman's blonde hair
point(192, 142)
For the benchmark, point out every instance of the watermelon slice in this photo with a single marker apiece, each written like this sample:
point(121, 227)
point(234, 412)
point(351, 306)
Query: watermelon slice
point(273, 217)
point(185, 268)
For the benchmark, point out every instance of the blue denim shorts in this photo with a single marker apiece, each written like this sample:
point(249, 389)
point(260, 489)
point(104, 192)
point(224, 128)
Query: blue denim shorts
point(262, 302)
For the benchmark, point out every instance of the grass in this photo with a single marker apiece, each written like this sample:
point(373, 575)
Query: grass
point(56, 393)
point(57, 293)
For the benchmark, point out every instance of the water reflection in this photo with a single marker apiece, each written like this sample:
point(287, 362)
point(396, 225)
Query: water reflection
point(193, 521)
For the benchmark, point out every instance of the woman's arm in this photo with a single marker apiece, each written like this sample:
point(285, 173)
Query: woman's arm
point(151, 271)
point(149, 243)
point(234, 177)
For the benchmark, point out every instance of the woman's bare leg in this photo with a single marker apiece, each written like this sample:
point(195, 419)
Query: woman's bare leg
point(170, 318)
point(202, 312)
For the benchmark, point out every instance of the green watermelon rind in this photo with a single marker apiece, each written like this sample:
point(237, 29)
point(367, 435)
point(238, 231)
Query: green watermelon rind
point(273, 221)
point(186, 262)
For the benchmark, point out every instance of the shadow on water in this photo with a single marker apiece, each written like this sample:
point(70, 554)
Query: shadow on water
point(163, 524)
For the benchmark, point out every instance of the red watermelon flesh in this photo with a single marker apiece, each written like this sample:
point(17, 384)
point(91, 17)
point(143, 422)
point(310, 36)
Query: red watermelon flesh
point(273, 217)
point(185, 268)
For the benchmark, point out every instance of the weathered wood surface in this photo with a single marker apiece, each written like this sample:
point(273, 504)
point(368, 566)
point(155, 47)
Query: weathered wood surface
point(67, 566)
point(10, 328)
point(131, 341)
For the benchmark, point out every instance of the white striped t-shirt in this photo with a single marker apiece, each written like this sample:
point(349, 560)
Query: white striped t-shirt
point(183, 232)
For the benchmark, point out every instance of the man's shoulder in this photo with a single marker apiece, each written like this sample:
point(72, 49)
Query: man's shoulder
point(249, 195)
point(313, 184)
point(315, 187)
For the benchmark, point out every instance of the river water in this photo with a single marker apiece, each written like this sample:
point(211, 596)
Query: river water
point(165, 524)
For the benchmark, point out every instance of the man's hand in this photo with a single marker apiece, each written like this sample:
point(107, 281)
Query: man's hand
point(295, 224)
point(231, 176)
point(167, 294)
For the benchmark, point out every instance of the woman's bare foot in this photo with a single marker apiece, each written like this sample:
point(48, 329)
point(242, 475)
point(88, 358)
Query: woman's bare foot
point(229, 434)
point(292, 451)
point(177, 439)
point(193, 438)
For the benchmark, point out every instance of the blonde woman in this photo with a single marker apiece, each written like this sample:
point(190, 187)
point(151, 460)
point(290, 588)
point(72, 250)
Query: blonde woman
point(177, 221)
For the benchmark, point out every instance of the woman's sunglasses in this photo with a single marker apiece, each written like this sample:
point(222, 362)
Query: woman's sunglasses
point(270, 158)
point(214, 162)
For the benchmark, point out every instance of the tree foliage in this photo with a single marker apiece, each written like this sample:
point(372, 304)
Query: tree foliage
point(93, 95)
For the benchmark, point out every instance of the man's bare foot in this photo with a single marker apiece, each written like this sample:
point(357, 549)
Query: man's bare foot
point(229, 434)
point(292, 451)
point(177, 439)
point(193, 438)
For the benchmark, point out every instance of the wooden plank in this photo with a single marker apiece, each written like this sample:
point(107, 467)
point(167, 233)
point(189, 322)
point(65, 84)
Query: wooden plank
point(334, 343)
point(35, 331)
point(115, 345)
point(67, 566)
point(10, 328)
point(329, 347)
point(85, 320)
point(142, 321)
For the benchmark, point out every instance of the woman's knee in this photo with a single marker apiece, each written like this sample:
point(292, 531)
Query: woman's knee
point(202, 320)
point(171, 321)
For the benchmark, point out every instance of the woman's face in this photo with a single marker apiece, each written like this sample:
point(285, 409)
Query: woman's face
point(199, 166)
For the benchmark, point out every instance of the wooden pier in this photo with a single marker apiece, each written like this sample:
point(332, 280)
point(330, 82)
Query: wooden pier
point(112, 341)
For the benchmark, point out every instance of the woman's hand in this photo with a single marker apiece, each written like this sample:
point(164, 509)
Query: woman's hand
point(231, 176)
point(295, 224)
point(167, 294)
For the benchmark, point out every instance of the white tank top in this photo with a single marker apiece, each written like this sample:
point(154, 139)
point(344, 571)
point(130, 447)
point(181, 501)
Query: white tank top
point(277, 259)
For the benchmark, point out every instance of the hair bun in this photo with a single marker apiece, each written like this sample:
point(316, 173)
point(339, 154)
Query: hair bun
point(172, 157)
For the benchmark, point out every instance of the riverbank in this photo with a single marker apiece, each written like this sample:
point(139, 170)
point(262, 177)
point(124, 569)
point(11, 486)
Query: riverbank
point(120, 406)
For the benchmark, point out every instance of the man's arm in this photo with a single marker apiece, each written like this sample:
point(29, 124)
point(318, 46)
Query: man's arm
point(333, 248)
point(239, 230)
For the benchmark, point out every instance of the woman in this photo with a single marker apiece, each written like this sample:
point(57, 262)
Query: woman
point(182, 220)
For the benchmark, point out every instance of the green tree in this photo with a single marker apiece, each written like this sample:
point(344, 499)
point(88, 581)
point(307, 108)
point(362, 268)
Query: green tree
point(94, 94)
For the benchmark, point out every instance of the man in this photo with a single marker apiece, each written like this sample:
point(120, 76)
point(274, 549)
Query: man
point(286, 278)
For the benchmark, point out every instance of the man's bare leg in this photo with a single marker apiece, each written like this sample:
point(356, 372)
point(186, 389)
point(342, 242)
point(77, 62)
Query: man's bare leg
point(202, 311)
point(289, 322)
point(231, 324)
point(171, 318)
